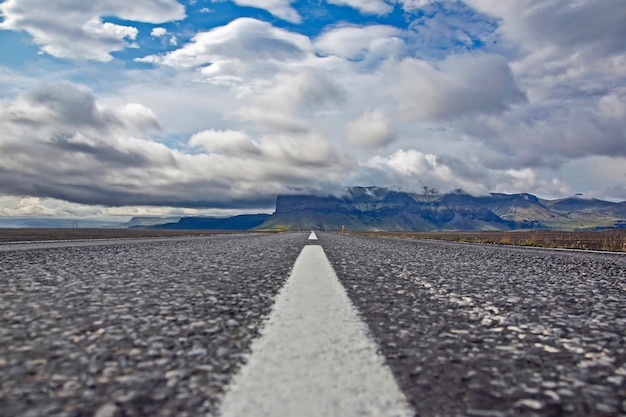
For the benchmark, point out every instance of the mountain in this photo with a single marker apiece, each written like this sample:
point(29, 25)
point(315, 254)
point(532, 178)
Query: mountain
point(591, 206)
point(378, 208)
point(241, 222)
point(375, 208)
point(146, 221)
point(57, 223)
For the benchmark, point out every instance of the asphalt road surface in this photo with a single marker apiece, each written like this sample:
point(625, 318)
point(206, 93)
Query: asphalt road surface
point(162, 327)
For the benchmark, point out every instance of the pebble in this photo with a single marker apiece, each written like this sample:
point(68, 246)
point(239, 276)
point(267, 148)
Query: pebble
point(553, 395)
point(106, 410)
point(530, 403)
point(197, 352)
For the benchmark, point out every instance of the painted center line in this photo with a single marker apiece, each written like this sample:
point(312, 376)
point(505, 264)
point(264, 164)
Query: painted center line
point(312, 236)
point(314, 357)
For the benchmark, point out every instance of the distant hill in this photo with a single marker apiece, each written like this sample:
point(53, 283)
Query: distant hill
point(241, 222)
point(145, 221)
point(378, 208)
point(57, 223)
point(594, 206)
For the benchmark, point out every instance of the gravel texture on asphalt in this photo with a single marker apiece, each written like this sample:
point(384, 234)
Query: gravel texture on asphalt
point(137, 328)
point(492, 331)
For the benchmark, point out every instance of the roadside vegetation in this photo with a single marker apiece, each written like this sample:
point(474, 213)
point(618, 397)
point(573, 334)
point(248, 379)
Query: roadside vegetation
point(31, 234)
point(608, 240)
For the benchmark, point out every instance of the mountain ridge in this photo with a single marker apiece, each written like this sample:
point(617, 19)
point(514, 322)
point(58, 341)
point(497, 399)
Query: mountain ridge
point(379, 208)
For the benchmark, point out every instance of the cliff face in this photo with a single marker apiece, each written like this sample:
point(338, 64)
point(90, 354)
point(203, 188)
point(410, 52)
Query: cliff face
point(295, 203)
point(376, 208)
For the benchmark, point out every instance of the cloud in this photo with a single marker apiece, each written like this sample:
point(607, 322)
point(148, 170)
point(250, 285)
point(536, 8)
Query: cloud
point(285, 101)
point(449, 28)
point(298, 153)
point(382, 7)
point(227, 142)
point(356, 42)
point(75, 30)
point(570, 25)
point(613, 192)
point(279, 8)
point(412, 5)
point(283, 9)
point(58, 142)
point(72, 108)
point(137, 118)
point(158, 32)
point(307, 153)
point(272, 120)
point(481, 95)
point(371, 130)
point(459, 85)
point(569, 58)
point(412, 169)
point(306, 90)
point(561, 47)
point(552, 134)
point(377, 7)
point(20, 206)
point(278, 71)
point(234, 51)
point(271, 72)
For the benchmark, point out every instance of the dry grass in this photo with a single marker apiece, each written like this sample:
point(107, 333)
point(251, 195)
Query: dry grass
point(609, 240)
point(20, 235)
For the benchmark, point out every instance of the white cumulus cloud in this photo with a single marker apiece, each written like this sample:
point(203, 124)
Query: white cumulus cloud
point(354, 42)
point(227, 142)
point(60, 143)
point(371, 130)
point(279, 8)
point(378, 7)
point(158, 32)
point(457, 86)
point(237, 50)
point(76, 30)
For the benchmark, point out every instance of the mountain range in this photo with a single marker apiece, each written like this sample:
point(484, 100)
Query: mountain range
point(378, 208)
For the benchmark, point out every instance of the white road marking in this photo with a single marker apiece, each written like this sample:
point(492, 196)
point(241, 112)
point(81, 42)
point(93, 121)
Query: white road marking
point(314, 357)
point(312, 236)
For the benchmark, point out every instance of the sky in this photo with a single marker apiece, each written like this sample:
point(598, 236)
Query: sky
point(116, 108)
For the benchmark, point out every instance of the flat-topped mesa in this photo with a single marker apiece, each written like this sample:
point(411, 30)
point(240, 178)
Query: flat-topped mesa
point(378, 208)
point(291, 203)
point(361, 199)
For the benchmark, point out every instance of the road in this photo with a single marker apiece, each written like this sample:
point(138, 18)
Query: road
point(162, 327)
